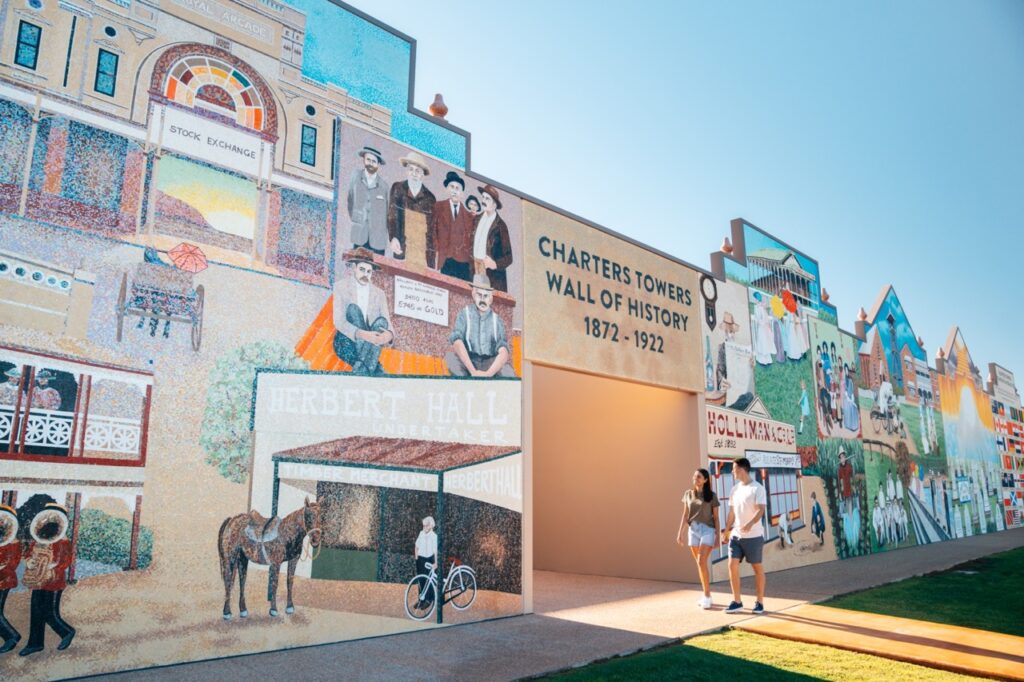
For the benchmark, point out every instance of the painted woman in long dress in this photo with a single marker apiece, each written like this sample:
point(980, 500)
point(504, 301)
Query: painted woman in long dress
point(764, 338)
point(851, 413)
point(797, 341)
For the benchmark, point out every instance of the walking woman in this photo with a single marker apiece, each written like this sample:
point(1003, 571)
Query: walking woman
point(700, 522)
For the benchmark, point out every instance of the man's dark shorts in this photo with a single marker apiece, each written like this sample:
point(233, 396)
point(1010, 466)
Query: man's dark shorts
point(746, 548)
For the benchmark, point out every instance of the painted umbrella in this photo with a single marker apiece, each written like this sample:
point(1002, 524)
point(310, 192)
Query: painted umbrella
point(789, 300)
point(188, 257)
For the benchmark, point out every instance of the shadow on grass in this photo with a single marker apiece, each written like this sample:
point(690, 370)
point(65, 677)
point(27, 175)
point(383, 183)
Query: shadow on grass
point(983, 594)
point(679, 662)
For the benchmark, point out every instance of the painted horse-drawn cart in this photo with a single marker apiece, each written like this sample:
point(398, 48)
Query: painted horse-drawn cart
point(161, 292)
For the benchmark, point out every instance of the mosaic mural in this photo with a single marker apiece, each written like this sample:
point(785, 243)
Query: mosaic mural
point(240, 361)
point(261, 346)
point(890, 451)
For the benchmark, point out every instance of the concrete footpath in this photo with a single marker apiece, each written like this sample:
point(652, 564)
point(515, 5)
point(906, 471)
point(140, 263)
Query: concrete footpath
point(578, 620)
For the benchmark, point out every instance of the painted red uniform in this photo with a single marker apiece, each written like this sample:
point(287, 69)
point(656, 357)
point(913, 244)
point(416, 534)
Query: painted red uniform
point(10, 557)
point(61, 557)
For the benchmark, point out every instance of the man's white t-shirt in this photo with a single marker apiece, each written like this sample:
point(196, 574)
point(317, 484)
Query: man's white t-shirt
point(426, 544)
point(743, 502)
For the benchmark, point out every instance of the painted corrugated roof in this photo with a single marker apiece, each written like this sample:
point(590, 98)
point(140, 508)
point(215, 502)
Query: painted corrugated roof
point(405, 453)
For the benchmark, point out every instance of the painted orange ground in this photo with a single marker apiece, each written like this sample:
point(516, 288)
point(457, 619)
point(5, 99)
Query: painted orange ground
point(317, 348)
point(963, 650)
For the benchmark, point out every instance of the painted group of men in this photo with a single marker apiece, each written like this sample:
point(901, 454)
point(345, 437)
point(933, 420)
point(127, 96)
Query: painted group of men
point(46, 554)
point(465, 234)
point(43, 397)
point(479, 341)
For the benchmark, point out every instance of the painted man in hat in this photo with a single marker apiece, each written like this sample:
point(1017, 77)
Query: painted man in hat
point(409, 195)
point(738, 389)
point(492, 248)
point(44, 396)
point(47, 561)
point(845, 474)
point(9, 389)
point(450, 235)
point(10, 557)
point(368, 203)
point(361, 315)
point(479, 343)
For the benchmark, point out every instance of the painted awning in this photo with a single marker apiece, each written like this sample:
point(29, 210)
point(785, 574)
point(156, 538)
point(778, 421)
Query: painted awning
point(401, 453)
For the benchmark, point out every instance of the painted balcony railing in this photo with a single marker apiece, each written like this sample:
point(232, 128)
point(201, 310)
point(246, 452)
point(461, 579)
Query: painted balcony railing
point(53, 429)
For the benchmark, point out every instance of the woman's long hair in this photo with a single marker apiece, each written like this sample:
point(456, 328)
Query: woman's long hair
point(705, 490)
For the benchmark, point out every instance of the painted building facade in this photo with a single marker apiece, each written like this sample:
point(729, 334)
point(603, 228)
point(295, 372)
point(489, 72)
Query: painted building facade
point(257, 313)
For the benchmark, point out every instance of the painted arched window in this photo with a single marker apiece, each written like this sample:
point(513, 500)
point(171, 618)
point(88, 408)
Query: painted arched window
point(209, 83)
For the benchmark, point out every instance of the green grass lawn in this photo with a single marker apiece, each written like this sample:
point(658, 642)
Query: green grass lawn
point(734, 655)
point(778, 385)
point(985, 594)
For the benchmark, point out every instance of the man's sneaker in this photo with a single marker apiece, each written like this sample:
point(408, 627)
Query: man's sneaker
point(734, 607)
point(758, 608)
point(705, 603)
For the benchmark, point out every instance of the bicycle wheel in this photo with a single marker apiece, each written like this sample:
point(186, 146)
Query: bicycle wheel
point(462, 591)
point(420, 604)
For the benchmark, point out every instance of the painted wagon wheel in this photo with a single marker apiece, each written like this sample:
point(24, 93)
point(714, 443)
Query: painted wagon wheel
point(119, 310)
point(197, 319)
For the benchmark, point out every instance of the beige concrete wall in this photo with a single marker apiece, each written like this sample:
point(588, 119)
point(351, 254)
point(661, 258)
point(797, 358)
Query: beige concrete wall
point(611, 460)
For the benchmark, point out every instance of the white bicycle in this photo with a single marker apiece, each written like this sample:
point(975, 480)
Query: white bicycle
point(459, 590)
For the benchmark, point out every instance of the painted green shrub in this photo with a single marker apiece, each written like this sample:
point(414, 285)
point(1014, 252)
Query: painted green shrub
point(107, 539)
point(225, 435)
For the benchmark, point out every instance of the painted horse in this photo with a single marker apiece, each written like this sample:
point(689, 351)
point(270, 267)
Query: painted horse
point(269, 542)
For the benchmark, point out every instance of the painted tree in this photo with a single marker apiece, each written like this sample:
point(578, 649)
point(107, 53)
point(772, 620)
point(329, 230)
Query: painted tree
point(225, 435)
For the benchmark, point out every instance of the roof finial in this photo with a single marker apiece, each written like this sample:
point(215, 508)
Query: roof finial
point(726, 245)
point(862, 315)
point(438, 108)
point(824, 295)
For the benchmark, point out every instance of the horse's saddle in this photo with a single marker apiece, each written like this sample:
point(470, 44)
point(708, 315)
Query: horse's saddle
point(261, 530)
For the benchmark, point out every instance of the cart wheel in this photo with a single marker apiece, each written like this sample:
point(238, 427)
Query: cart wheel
point(121, 304)
point(197, 319)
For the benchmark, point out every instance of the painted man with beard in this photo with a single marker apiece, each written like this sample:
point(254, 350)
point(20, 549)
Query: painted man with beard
point(368, 203)
point(410, 195)
point(361, 315)
point(479, 344)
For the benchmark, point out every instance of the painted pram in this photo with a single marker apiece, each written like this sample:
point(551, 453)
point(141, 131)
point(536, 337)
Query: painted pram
point(161, 292)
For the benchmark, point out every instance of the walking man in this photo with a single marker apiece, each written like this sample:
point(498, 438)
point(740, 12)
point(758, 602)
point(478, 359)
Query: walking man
point(47, 561)
point(745, 536)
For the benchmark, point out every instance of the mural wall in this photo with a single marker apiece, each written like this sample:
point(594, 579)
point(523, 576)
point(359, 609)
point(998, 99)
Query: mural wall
point(896, 452)
point(261, 337)
point(974, 463)
point(761, 395)
point(254, 349)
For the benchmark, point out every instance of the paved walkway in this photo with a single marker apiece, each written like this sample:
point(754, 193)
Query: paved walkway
point(962, 650)
point(578, 620)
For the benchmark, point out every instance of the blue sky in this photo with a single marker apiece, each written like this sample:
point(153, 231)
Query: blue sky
point(881, 138)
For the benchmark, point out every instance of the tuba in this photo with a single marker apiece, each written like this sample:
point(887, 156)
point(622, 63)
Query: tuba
point(37, 568)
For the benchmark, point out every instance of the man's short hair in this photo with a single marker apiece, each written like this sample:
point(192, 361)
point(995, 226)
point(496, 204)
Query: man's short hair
point(743, 463)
